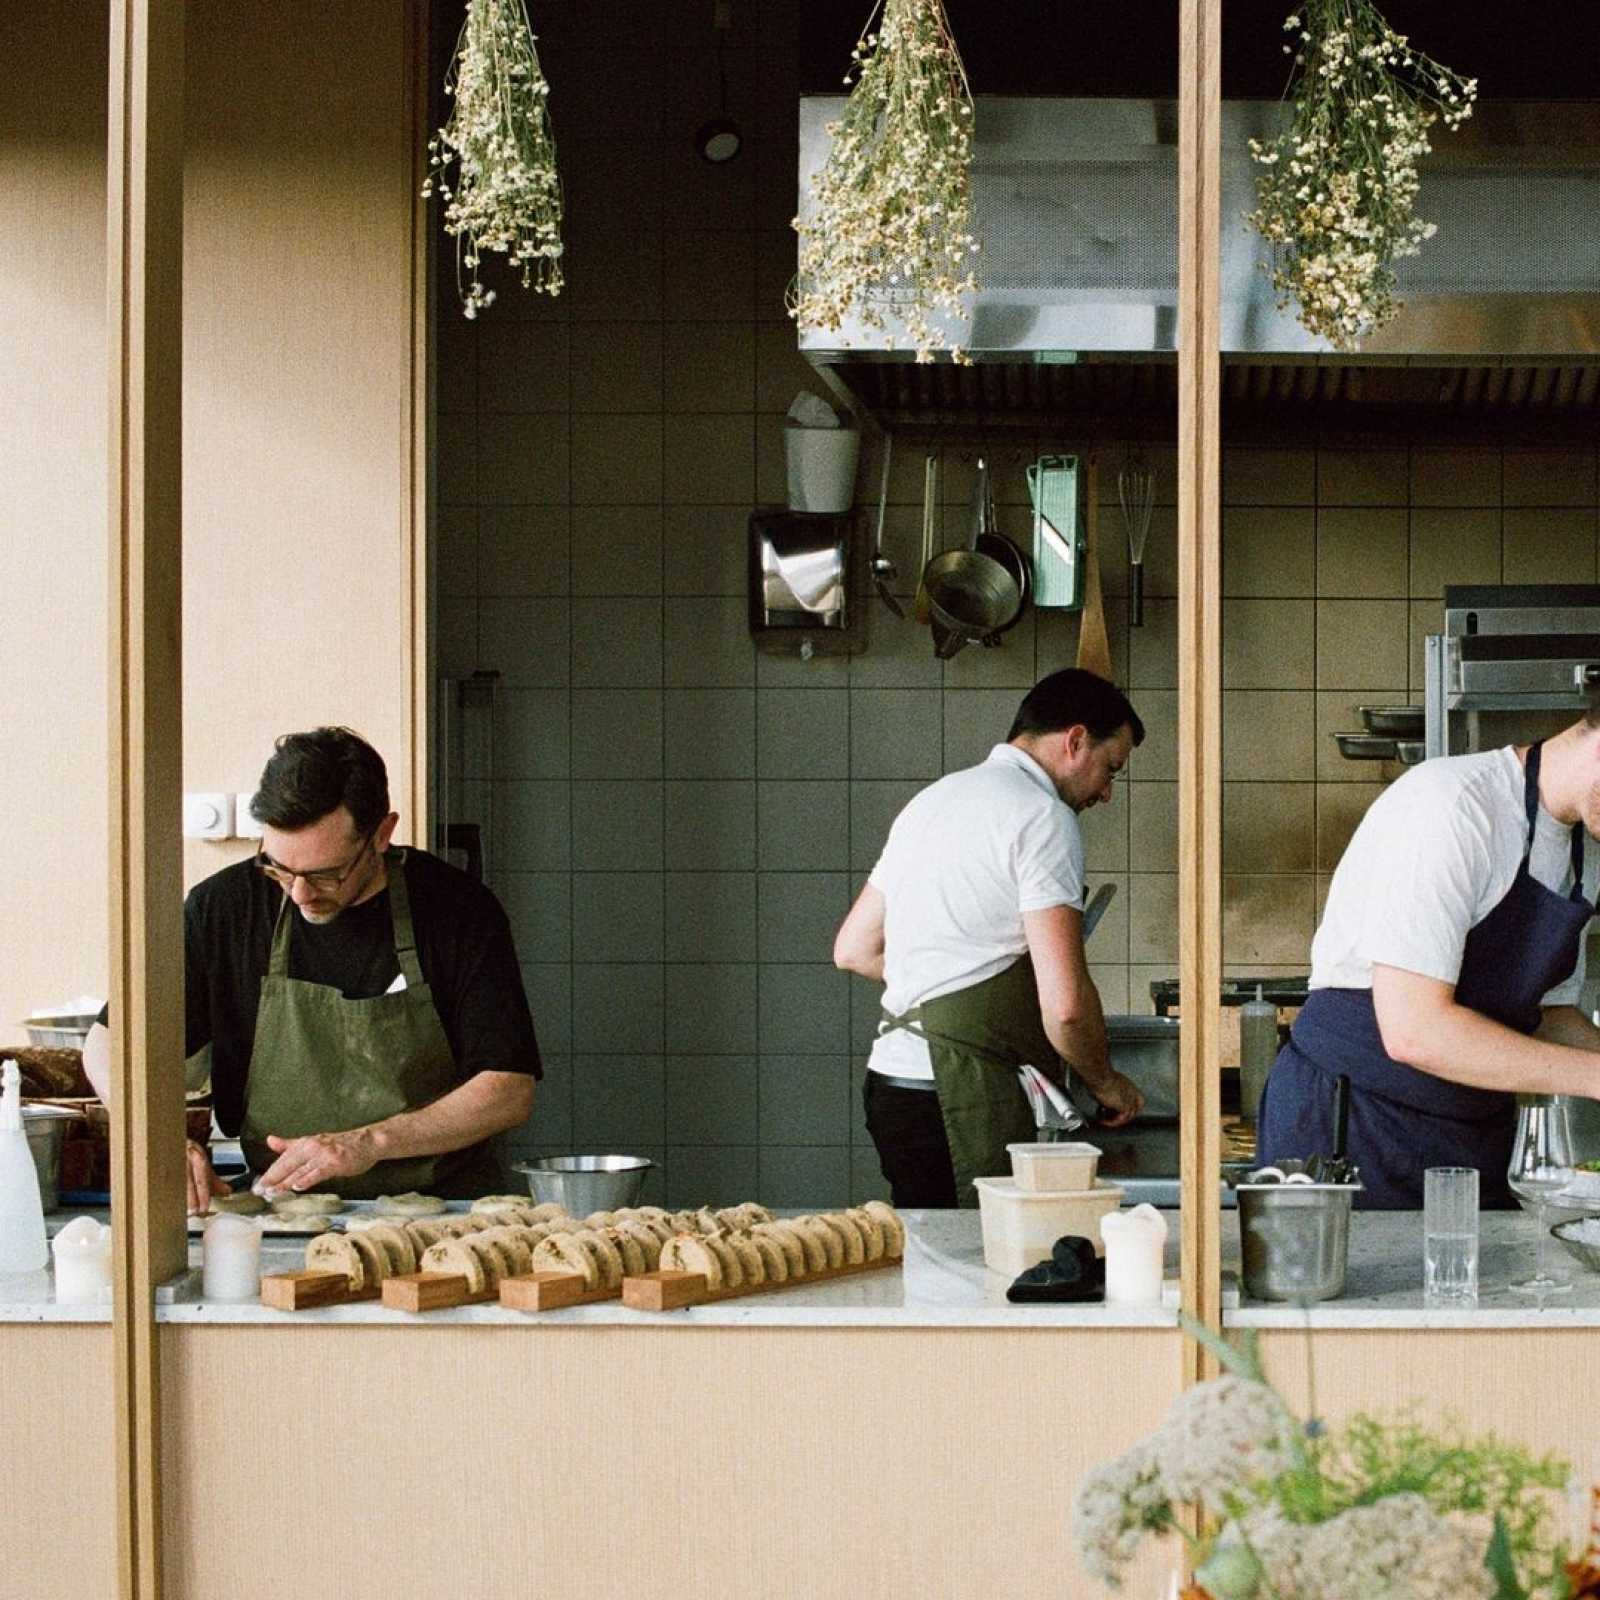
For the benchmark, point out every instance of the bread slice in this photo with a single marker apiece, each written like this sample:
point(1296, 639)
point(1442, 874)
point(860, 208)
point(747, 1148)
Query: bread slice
point(750, 1259)
point(456, 1256)
point(336, 1252)
point(563, 1252)
point(870, 1229)
point(689, 1252)
point(894, 1230)
point(855, 1250)
point(774, 1264)
point(830, 1242)
point(791, 1242)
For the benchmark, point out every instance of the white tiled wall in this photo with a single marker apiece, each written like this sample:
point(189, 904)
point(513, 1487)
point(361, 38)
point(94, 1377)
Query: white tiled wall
point(679, 821)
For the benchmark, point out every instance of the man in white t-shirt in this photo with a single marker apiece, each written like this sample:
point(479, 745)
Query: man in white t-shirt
point(1444, 973)
point(973, 921)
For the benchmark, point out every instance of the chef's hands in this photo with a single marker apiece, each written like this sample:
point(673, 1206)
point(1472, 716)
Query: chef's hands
point(315, 1158)
point(1120, 1100)
point(201, 1181)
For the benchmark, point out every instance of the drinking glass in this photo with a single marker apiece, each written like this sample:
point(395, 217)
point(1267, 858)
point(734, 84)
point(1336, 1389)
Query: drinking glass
point(1541, 1166)
point(1450, 1236)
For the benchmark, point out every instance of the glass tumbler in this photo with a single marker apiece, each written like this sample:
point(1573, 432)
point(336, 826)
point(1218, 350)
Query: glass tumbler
point(1450, 1236)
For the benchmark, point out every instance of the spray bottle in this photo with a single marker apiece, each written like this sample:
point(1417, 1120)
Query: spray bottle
point(22, 1241)
point(1258, 1048)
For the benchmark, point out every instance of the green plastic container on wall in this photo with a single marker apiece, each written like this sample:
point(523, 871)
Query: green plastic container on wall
point(1058, 559)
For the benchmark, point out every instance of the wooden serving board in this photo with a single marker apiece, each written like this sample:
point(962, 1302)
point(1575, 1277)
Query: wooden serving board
point(534, 1291)
point(673, 1291)
point(304, 1291)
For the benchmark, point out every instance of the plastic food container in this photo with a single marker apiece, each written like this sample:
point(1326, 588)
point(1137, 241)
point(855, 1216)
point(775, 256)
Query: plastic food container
point(1064, 1165)
point(1020, 1225)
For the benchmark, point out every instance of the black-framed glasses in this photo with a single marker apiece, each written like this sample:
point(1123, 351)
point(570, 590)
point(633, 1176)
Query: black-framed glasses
point(329, 881)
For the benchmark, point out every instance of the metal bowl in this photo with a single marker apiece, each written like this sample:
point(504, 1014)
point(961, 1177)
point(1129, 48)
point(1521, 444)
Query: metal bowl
point(581, 1184)
point(1588, 1254)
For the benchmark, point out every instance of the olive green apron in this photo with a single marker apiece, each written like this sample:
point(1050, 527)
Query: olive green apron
point(321, 1063)
point(978, 1037)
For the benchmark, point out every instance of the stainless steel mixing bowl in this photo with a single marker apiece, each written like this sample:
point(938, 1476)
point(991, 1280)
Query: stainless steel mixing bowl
point(581, 1184)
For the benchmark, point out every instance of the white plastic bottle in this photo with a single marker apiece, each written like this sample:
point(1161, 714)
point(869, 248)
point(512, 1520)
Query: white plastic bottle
point(22, 1242)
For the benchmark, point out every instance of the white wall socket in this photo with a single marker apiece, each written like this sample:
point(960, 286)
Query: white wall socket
point(207, 816)
point(244, 825)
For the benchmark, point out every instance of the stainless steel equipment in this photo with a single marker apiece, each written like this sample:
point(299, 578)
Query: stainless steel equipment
point(582, 1184)
point(1295, 1237)
point(1514, 661)
point(799, 570)
point(46, 1131)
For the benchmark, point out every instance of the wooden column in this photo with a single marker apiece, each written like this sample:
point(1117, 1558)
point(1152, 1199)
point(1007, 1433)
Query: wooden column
point(414, 800)
point(144, 180)
point(1200, 651)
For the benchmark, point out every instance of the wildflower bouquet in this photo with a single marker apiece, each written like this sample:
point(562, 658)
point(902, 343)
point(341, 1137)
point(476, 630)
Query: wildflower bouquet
point(1337, 199)
point(1288, 1510)
point(506, 195)
point(891, 225)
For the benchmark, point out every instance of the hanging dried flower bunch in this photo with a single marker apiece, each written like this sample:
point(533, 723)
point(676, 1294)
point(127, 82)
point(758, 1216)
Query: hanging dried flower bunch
point(506, 194)
point(1337, 198)
point(890, 229)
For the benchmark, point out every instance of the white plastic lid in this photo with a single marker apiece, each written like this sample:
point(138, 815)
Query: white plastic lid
point(1005, 1189)
point(1055, 1148)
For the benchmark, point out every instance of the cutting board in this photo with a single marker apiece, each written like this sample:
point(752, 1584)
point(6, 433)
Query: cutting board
point(1094, 644)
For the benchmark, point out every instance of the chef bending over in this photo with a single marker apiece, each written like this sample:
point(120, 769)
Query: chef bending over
point(363, 1007)
point(1445, 969)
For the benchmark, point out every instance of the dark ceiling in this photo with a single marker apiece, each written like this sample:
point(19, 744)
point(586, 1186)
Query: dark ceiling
point(1518, 49)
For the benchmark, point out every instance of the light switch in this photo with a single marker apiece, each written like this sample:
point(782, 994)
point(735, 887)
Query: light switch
point(207, 816)
point(244, 825)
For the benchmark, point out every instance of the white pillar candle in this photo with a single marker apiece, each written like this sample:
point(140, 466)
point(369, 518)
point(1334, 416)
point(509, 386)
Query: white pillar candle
point(1135, 1242)
point(83, 1262)
point(231, 1258)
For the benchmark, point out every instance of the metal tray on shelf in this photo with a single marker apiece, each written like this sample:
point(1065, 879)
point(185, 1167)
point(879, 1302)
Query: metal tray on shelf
point(1366, 747)
point(1397, 722)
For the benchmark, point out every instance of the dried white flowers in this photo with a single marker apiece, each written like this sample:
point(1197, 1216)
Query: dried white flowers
point(890, 229)
point(1337, 198)
point(506, 195)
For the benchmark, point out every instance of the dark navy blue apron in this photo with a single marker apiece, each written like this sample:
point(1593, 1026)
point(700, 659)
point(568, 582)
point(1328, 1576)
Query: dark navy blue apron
point(1403, 1121)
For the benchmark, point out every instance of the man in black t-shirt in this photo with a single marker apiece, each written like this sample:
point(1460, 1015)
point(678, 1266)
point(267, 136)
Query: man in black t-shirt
point(364, 1007)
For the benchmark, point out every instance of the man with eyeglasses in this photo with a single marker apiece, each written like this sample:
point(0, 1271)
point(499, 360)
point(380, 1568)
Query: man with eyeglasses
point(363, 1005)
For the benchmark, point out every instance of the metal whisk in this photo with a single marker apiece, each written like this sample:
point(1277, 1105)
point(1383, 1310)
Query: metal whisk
point(1136, 494)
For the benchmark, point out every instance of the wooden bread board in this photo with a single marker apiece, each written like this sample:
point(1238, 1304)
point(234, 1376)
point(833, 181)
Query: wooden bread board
point(674, 1291)
point(305, 1291)
point(532, 1291)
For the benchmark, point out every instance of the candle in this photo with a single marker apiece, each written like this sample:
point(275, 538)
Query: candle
point(1135, 1242)
point(83, 1262)
point(231, 1258)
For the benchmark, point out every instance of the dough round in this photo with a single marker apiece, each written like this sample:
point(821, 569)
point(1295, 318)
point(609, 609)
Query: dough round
point(689, 1252)
point(336, 1252)
point(495, 1203)
point(789, 1241)
point(894, 1230)
point(855, 1252)
point(831, 1244)
point(774, 1264)
point(627, 1246)
point(870, 1229)
point(648, 1242)
point(458, 1257)
point(410, 1204)
point(607, 1257)
point(243, 1204)
point(308, 1205)
point(562, 1252)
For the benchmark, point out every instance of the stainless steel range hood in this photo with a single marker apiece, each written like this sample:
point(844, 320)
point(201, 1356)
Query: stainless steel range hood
point(1076, 203)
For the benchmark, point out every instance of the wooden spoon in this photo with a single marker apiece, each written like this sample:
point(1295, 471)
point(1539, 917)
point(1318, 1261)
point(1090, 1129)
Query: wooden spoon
point(1094, 645)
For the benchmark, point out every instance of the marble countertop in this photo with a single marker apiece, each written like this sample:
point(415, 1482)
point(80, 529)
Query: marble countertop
point(941, 1283)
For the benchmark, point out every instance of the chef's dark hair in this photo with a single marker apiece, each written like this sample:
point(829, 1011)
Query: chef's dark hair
point(310, 774)
point(1073, 696)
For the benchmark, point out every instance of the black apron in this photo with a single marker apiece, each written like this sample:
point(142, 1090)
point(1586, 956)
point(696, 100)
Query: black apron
point(1403, 1121)
point(977, 1038)
point(320, 1063)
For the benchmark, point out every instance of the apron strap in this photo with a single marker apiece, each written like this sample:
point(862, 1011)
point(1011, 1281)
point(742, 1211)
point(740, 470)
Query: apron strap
point(911, 1022)
point(278, 959)
point(405, 938)
point(1530, 800)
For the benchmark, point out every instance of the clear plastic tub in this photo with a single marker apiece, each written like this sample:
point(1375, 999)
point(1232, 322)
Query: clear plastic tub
point(1021, 1225)
point(1065, 1165)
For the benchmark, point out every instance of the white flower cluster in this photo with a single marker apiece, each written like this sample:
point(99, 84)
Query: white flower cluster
point(891, 225)
point(1116, 1505)
point(506, 196)
point(1398, 1547)
point(1221, 1436)
point(1338, 196)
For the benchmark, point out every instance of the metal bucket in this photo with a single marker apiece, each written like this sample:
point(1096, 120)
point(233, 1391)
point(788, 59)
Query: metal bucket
point(1295, 1239)
point(46, 1129)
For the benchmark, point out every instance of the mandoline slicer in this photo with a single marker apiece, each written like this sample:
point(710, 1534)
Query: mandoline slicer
point(1057, 535)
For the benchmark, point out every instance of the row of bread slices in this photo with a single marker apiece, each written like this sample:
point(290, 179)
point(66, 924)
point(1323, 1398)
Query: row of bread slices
point(737, 1246)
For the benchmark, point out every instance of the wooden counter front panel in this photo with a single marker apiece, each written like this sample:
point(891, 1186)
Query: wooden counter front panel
point(631, 1462)
point(55, 1443)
